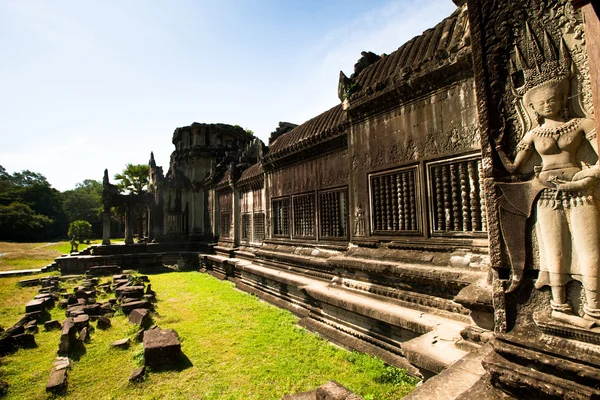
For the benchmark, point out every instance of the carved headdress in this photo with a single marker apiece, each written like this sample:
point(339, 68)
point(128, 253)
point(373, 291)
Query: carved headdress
point(539, 64)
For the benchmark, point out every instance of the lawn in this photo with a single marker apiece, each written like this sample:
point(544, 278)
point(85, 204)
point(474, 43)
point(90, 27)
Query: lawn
point(15, 256)
point(238, 348)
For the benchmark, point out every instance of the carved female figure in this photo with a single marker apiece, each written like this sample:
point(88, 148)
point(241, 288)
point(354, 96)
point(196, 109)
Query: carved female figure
point(568, 217)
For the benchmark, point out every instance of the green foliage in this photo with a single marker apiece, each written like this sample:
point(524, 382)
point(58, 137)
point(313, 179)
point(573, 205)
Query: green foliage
point(19, 222)
point(85, 203)
point(32, 190)
point(80, 229)
point(134, 178)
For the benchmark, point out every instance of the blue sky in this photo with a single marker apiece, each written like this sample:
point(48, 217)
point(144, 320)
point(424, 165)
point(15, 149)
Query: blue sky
point(88, 85)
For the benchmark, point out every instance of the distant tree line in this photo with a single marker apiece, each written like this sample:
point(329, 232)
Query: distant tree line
point(32, 210)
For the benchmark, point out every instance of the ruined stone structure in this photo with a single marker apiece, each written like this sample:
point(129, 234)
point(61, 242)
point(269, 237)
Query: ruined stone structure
point(444, 216)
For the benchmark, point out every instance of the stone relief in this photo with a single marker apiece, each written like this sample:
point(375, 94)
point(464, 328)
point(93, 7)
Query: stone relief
point(561, 194)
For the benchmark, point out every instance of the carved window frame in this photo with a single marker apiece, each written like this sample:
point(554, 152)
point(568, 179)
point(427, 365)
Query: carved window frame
point(312, 199)
point(462, 208)
point(275, 218)
point(257, 236)
point(342, 193)
point(376, 197)
point(246, 227)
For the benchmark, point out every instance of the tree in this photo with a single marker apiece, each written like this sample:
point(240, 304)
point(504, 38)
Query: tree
point(84, 203)
point(19, 222)
point(134, 178)
point(80, 230)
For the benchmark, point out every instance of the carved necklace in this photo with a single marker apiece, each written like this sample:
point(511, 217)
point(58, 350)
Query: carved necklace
point(567, 127)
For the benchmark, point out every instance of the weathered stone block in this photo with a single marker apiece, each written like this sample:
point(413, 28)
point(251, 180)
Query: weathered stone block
point(57, 383)
point(332, 390)
point(140, 317)
point(135, 304)
point(103, 323)
point(25, 340)
point(161, 347)
point(121, 344)
point(35, 305)
point(31, 327)
point(137, 375)
point(7, 345)
point(67, 334)
point(51, 325)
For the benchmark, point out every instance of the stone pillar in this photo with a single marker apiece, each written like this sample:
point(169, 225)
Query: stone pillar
point(128, 225)
point(149, 230)
point(235, 212)
point(106, 227)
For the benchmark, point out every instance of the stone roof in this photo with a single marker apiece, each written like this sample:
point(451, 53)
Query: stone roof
point(327, 125)
point(252, 176)
point(251, 172)
point(433, 49)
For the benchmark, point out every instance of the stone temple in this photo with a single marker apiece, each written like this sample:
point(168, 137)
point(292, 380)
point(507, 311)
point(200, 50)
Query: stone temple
point(443, 216)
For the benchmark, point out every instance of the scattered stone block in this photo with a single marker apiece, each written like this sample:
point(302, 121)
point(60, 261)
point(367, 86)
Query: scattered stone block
point(140, 317)
point(3, 388)
point(29, 282)
point(25, 340)
point(31, 327)
point(332, 390)
point(149, 297)
point(103, 323)
point(112, 301)
point(137, 375)
point(135, 304)
point(81, 321)
point(161, 347)
point(63, 303)
point(7, 345)
point(57, 383)
point(83, 335)
point(51, 325)
point(121, 344)
point(67, 334)
point(35, 305)
point(17, 329)
point(62, 363)
point(130, 291)
point(139, 336)
point(72, 300)
point(93, 309)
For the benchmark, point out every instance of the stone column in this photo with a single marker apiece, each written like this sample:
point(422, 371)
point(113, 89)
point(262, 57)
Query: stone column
point(149, 223)
point(128, 225)
point(235, 212)
point(106, 227)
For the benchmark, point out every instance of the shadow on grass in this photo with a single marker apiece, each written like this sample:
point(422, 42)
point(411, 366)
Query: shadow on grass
point(77, 350)
point(181, 363)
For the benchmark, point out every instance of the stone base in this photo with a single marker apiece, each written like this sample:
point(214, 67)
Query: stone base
point(161, 348)
point(534, 365)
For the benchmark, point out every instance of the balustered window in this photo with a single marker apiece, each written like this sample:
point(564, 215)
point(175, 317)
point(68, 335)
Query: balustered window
point(457, 201)
point(247, 227)
point(259, 227)
point(304, 215)
point(225, 200)
point(394, 201)
point(225, 224)
point(281, 217)
point(333, 214)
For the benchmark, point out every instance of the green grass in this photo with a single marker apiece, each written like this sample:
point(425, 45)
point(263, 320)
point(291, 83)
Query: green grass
point(16, 256)
point(238, 347)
